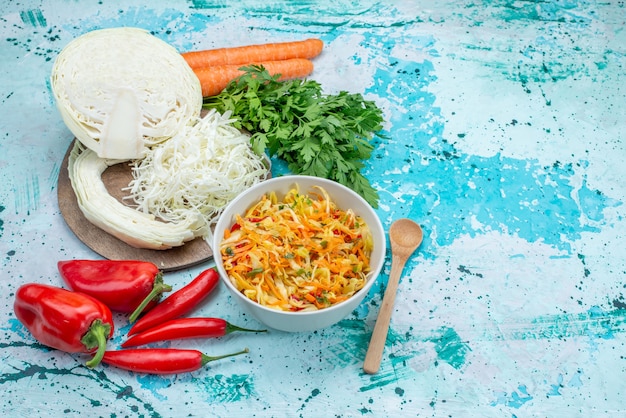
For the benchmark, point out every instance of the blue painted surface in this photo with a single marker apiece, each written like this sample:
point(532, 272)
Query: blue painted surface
point(505, 141)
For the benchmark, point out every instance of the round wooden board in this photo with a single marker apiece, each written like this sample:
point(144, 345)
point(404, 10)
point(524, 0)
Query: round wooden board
point(115, 178)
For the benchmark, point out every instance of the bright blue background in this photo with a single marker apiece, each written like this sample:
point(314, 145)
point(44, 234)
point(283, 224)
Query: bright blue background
point(504, 130)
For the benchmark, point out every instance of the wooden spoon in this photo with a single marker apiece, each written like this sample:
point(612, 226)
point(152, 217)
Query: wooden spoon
point(405, 236)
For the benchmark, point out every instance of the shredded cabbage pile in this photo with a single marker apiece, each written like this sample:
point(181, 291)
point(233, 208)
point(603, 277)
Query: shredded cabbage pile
point(197, 172)
point(299, 254)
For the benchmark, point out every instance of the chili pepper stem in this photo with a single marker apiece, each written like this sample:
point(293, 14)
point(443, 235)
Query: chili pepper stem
point(96, 337)
point(232, 328)
point(158, 288)
point(207, 359)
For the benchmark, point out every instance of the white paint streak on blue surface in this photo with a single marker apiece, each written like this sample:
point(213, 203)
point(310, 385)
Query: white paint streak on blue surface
point(505, 141)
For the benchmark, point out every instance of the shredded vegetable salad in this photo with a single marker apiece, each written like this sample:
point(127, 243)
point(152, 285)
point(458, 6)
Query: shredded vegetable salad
point(299, 254)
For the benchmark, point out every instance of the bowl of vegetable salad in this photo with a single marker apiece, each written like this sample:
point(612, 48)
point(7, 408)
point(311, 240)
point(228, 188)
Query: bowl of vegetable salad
point(299, 253)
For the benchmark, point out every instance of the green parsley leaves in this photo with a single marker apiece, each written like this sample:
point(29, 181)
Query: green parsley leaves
point(317, 134)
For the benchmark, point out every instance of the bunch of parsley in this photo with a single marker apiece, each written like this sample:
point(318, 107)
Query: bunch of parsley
point(317, 134)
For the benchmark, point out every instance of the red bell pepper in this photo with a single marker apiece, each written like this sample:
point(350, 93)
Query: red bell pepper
point(161, 360)
point(185, 328)
point(122, 285)
point(178, 303)
point(69, 321)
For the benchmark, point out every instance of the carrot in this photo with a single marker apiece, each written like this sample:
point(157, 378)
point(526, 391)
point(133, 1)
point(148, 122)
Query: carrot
point(309, 48)
point(215, 79)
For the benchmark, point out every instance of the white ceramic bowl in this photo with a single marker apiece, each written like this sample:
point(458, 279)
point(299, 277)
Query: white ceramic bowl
point(345, 199)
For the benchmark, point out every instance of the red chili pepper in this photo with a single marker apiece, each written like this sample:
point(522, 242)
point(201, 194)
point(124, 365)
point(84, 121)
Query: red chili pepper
point(122, 285)
point(161, 360)
point(185, 328)
point(69, 321)
point(237, 226)
point(178, 303)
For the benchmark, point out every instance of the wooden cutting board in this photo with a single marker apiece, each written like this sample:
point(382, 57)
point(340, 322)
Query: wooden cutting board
point(115, 179)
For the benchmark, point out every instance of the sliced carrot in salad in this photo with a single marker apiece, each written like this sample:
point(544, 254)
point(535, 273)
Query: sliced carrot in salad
point(299, 254)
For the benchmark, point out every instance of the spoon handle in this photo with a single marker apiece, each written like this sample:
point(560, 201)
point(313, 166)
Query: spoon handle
point(379, 336)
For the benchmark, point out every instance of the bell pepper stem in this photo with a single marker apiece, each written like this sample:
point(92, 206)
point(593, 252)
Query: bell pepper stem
point(232, 328)
point(206, 359)
point(157, 290)
point(96, 336)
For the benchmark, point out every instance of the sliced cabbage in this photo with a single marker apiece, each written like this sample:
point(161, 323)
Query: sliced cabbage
point(137, 229)
point(197, 172)
point(121, 90)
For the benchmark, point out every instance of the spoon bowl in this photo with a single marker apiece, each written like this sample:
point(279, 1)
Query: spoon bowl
point(405, 237)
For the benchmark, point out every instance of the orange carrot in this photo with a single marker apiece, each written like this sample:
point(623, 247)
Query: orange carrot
point(215, 79)
point(308, 49)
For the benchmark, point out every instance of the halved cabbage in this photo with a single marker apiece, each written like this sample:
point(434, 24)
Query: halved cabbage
point(121, 90)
